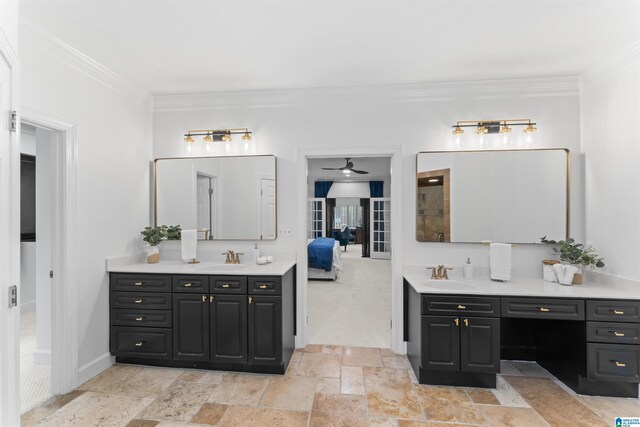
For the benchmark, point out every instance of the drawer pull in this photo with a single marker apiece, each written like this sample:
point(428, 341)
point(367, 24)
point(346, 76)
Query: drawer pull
point(461, 307)
point(619, 364)
point(204, 298)
point(263, 286)
point(225, 285)
point(466, 322)
point(457, 321)
point(137, 284)
point(187, 285)
point(212, 298)
point(138, 301)
point(618, 312)
point(618, 334)
point(139, 318)
point(139, 343)
point(250, 300)
point(543, 309)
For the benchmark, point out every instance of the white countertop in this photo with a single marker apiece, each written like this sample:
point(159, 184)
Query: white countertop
point(277, 268)
point(614, 288)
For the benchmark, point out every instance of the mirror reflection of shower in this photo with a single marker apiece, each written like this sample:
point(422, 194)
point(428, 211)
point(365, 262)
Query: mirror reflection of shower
point(205, 205)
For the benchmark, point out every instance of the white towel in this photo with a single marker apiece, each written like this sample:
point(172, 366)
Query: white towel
point(189, 244)
point(500, 261)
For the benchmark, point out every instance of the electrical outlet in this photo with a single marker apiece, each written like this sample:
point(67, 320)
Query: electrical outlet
point(285, 232)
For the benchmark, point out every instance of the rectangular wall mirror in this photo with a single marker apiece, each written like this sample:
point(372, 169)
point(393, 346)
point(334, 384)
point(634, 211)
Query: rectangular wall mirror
point(224, 198)
point(512, 196)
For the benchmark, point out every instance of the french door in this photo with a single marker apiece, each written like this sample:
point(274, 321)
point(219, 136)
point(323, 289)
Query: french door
point(380, 227)
point(316, 220)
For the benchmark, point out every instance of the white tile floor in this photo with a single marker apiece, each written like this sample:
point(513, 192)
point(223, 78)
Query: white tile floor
point(354, 310)
point(35, 380)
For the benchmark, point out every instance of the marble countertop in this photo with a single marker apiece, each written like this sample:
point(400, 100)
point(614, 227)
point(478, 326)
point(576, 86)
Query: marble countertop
point(277, 268)
point(420, 280)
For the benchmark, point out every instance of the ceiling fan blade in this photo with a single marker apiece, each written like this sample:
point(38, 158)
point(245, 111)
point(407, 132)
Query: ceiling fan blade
point(360, 172)
point(333, 169)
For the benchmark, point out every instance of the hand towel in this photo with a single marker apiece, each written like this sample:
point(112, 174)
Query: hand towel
point(500, 261)
point(189, 244)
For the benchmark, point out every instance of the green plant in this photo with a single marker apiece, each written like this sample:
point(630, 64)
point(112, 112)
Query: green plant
point(154, 235)
point(575, 253)
point(174, 232)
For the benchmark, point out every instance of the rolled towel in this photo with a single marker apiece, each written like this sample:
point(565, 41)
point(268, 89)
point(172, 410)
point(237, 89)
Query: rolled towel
point(189, 244)
point(500, 261)
point(262, 260)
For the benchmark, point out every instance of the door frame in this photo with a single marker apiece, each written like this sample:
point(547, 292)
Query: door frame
point(397, 179)
point(64, 302)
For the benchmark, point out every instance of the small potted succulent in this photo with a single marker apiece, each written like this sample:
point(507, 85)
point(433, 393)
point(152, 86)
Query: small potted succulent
point(577, 254)
point(152, 236)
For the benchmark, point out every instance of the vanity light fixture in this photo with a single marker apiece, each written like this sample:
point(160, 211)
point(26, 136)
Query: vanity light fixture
point(217, 135)
point(503, 127)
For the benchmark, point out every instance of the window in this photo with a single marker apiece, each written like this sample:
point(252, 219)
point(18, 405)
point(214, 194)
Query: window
point(349, 215)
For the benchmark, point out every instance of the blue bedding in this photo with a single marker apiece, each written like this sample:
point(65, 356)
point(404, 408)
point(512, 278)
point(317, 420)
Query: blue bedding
point(321, 253)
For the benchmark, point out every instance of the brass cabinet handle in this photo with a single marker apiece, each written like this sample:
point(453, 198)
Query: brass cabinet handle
point(461, 307)
point(187, 285)
point(212, 298)
point(139, 343)
point(225, 285)
point(619, 364)
point(618, 312)
point(618, 334)
point(466, 322)
point(139, 318)
point(250, 300)
point(137, 284)
point(543, 309)
point(457, 321)
point(138, 301)
point(263, 286)
point(204, 298)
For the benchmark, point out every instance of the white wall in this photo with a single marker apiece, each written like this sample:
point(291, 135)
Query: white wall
point(415, 123)
point(611, 144)
point(114, 149)
point(9, 21)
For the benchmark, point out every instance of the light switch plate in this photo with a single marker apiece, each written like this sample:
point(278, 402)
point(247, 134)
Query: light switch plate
point(285, 232)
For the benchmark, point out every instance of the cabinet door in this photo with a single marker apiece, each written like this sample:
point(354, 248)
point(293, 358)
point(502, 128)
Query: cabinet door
point(190, 327)
point(480, 344)
point(265, 330)
point(441, 343)
point(228, 323)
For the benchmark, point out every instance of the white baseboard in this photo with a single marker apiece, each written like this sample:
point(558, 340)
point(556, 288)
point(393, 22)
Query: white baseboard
point(28, 306)
point(93, 368)
point(42, 357)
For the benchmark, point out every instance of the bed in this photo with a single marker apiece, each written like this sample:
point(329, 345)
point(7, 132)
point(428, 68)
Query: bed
point(317, 271)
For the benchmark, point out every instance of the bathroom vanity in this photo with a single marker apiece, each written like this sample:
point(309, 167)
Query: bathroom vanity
point(588, 336)
point(219, 316)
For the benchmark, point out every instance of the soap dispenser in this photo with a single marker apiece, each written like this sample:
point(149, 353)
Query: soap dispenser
point(256, 253)
point(468, 270)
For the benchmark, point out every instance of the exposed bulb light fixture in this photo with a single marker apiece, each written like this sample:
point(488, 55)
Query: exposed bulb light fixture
point(502, 127)
point(207, 138)
point(188, 138)
point(246, 137)
point(210, 136)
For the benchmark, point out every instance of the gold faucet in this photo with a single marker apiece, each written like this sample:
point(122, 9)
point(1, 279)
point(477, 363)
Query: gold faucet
point(232, 257)
point(439, 272)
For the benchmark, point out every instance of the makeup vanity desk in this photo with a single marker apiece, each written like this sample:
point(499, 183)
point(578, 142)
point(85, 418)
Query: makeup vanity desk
point(588, 336)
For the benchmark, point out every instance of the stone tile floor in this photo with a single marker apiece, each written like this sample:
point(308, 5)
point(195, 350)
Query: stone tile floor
point(324, 386)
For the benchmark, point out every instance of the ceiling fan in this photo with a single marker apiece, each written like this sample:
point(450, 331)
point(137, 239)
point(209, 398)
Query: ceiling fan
point(347, 168)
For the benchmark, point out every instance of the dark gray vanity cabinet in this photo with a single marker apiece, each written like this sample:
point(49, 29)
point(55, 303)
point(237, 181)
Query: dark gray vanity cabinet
point(243, 323)
point(441, 343)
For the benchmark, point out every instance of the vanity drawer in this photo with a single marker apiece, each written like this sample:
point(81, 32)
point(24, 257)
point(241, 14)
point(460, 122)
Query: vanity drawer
point(265, 285)
point(141, 300)
point(141, 342)
point(610, 362)
point(140, 282)
point(196, 284)
point(613, 311)
point(614, 333)
point(543, 308)
point(146, 318)
point(460, 304)
point(228, 284)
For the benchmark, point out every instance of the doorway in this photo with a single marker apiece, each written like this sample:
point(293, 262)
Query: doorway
point(35, 266)
point(349, 300)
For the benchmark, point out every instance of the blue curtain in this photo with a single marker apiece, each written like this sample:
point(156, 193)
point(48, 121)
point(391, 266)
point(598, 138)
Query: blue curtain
point(322, 188)
point(375, 187)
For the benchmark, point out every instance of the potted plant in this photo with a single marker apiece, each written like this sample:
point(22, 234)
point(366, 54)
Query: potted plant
point(174, 232)
point(579, 255)
point(152, 237)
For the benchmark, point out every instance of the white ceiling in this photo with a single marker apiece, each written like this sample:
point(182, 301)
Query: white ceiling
point(180, 46)
point(379, 168)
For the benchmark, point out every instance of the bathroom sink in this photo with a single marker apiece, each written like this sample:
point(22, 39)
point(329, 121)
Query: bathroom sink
point(453, 285)
point(221, 267)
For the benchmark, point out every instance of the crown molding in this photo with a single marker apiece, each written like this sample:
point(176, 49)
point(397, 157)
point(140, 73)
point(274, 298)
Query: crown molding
point(612, 64)
point(85, 64)
point(497, 88)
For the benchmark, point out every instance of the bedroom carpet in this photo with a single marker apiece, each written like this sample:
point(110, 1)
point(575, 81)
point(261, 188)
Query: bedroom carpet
point(354, 310)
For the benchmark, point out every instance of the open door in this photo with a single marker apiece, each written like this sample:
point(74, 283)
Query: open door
point(316, 217)
point(380, 227)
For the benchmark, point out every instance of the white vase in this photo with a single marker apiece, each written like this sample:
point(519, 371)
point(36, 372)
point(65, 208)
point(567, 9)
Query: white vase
point(565, 273)
point(153, 254)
